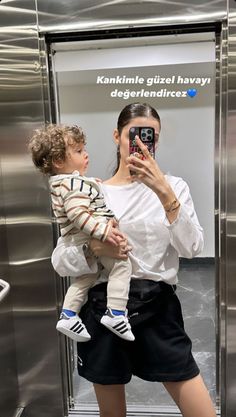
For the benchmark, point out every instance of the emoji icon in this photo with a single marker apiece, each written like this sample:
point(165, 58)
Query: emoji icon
point(192, 92)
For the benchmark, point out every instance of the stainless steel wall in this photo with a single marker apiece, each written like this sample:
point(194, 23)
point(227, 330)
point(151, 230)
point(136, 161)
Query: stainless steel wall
point(8, 369)
point(22, 106)
point(59, 16)
point(28, 225)
point(230, 227)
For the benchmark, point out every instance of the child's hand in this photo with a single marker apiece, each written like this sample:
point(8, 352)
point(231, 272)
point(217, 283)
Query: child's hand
point(114, 236)
point(106, 249)
point(113, 222)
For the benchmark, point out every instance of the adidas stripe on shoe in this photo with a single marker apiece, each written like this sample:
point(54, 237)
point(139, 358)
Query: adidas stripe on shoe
point(118, 325)
point(73, 327)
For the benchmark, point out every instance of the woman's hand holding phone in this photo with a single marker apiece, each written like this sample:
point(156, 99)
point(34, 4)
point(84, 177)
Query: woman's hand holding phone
point(146, 135)
point(148, 172)
point(145, 169)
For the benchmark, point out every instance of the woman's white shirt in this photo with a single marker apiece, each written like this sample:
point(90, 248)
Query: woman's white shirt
point(156, 244)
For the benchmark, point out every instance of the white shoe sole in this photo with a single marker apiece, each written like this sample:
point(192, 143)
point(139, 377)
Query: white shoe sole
point(72, 335)
point(122, 336)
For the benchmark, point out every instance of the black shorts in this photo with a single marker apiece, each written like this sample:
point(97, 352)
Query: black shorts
point(161, 350)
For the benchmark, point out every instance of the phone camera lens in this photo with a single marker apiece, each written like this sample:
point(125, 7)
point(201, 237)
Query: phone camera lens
point(149, 137)
point(149, 131)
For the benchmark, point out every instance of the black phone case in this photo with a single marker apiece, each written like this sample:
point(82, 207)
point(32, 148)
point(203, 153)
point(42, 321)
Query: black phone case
point(147, 136)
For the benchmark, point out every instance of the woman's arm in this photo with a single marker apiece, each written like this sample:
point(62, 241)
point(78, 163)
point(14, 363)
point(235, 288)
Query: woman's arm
point(148, 172)
point(71, 261)
point(76, 260)
point(186, 235)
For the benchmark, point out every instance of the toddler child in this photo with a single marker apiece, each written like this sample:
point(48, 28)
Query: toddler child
point(79, 207)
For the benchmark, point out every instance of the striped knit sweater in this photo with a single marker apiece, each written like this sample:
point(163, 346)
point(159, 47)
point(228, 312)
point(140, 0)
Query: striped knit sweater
point(77, 202)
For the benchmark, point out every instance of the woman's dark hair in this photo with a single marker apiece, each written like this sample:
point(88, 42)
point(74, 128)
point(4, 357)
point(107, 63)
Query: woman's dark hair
point(129, 112)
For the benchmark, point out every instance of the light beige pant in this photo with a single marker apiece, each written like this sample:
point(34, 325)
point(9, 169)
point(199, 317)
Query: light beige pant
point(117, 288)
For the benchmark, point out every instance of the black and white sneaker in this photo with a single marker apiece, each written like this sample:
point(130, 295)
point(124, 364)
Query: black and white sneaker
point(73, 327)
point(118, 325)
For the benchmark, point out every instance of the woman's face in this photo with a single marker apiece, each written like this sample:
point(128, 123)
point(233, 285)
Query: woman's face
point(123, 138)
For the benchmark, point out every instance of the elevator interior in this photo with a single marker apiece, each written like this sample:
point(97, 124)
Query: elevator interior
point(49, 69)
point(92, 81)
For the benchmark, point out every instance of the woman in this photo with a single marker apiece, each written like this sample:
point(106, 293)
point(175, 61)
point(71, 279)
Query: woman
point(156, 213)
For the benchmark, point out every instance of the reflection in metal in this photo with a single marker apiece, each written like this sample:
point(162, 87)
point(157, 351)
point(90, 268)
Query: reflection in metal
point(112, 24)
point(170, 20)
point(28, 220)
point(98, 106)
point(19, 412)
point(95, 15)
point(9, 393)
point(5, 289)
point(220, 215)
point(230, 221)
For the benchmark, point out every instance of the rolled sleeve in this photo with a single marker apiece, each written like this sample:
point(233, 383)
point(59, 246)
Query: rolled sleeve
point(70, 261)
point(186, 234)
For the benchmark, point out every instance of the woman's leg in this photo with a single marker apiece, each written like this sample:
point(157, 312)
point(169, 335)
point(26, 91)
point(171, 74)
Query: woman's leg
point(191, 397)
point(111, 400)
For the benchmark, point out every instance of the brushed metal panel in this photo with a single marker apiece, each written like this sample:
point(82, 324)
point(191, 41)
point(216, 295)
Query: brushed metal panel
point(28, 215)
point(57, 16)
point(220, 213)
point(5, 288)
point(8, 369)
point(230, 403)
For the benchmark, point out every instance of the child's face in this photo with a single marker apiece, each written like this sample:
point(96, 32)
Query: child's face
point(76, 159)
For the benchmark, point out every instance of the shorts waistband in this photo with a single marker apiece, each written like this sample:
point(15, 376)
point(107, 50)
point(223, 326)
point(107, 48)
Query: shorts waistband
point(140, 288)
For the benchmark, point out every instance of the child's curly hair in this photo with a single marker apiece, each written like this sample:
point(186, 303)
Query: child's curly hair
point(48, 145)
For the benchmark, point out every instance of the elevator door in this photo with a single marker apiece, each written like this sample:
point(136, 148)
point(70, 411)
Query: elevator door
point(93, 81)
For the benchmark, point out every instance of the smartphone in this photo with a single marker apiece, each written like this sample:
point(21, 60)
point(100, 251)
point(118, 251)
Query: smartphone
point(147, 136)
